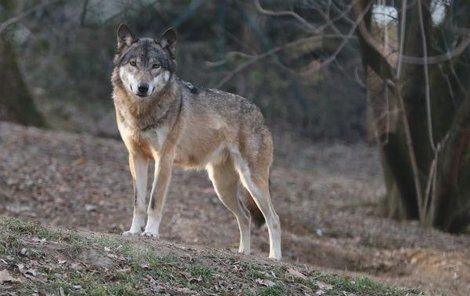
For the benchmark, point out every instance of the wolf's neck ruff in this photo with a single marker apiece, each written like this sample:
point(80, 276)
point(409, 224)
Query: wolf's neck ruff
point(163, 118)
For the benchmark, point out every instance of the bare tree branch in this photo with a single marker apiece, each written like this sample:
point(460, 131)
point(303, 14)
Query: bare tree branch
point(458, 50)
point(83, 13)
point(285, 13)
point(384, 70)
point(402, 38)
point(256, 58)
point(410, 147)
point(426, 75)
point(333, 56)
point(315, 65)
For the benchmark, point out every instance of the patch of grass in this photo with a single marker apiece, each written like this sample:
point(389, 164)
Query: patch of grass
point(15, 226)
point(276, 290)
point(137, 267)
point(246, 292)
point(253, 274)
point(252, 271)
point(200, 271)
point(75, 244)
point(10, 243)
point(122, 289)
point(20, 227)
point(110, 242)
point(278, 270)
point(359, 286)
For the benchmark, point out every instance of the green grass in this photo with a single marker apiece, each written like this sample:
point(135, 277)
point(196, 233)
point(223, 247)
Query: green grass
point(361, 285)
point(276, 290)
point(139, 267)
point(201, 272)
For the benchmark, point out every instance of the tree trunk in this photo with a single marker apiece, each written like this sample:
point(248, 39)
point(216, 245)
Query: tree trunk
point(439, 140)
point(16, 103)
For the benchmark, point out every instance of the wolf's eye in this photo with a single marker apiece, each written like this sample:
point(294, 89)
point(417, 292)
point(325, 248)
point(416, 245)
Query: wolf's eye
point(133, 63)
point(155, 66)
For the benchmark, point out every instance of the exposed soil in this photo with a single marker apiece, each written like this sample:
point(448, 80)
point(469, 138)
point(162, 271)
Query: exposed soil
point(328, 198)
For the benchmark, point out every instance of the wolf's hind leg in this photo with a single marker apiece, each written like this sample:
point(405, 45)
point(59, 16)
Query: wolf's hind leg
point(257, 183)
point(226, 183)
point(139, 169)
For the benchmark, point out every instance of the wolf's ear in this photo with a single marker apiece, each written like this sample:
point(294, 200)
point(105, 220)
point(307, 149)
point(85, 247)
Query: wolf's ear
point(168, 41)
point(124, 36)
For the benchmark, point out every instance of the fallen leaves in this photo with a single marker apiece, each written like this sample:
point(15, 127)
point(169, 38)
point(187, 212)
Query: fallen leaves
point(31, 273)
point(263, 282)
point(296, 273)
point(322, 288)
point(6, 277)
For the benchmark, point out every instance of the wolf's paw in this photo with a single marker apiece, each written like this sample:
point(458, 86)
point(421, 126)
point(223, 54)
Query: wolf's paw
point(130, 233)
point(150, 234)
point(275, 257)
point(244, 252)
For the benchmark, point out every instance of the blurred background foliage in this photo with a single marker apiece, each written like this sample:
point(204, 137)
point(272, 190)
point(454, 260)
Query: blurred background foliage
point(66, 48)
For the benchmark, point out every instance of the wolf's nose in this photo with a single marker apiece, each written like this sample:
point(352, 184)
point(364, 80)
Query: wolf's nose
point(143, 88)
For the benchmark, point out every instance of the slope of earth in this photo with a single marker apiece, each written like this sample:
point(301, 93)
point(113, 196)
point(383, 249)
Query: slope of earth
point(326, 195)
point(36, 260)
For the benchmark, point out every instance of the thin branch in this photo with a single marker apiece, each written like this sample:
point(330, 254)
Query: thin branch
point(358, 79)
point(284, 13)
point(256, 58)
point(402, 38)
point(429, 186)
point(83, 13)
point(426, 76)
point(365, 32)
point(342, 14)
point(354, 77)
point(312, 67)
point(378, 48)
point(239, 42)
point(229, 55)
point(410, 147)
point(341, 46)
point(384, 69)
point(458, 50)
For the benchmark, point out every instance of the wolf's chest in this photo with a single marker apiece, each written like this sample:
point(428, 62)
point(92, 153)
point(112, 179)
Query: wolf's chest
point(148, 142)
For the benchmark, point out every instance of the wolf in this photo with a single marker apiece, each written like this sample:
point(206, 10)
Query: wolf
point(163, 118)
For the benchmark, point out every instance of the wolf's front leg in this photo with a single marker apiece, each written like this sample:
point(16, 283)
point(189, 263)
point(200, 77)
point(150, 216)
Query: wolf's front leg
point(139, 169)
point(161, 180)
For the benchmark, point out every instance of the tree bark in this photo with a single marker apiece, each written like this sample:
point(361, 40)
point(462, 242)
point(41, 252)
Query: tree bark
point(442, 171)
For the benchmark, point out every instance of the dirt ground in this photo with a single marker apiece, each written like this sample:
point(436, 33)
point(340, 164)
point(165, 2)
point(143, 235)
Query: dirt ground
point(327, 196)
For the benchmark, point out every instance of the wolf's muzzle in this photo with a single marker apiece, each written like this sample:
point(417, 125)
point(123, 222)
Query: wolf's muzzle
point(142, 89)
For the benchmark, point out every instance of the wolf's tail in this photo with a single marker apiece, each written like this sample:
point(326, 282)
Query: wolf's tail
point(256, 215)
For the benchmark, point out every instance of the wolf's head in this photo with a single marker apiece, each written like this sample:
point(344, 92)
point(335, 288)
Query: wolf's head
point(145, 66)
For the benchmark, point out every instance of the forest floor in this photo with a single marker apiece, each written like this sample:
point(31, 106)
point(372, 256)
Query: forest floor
point(327, 196)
